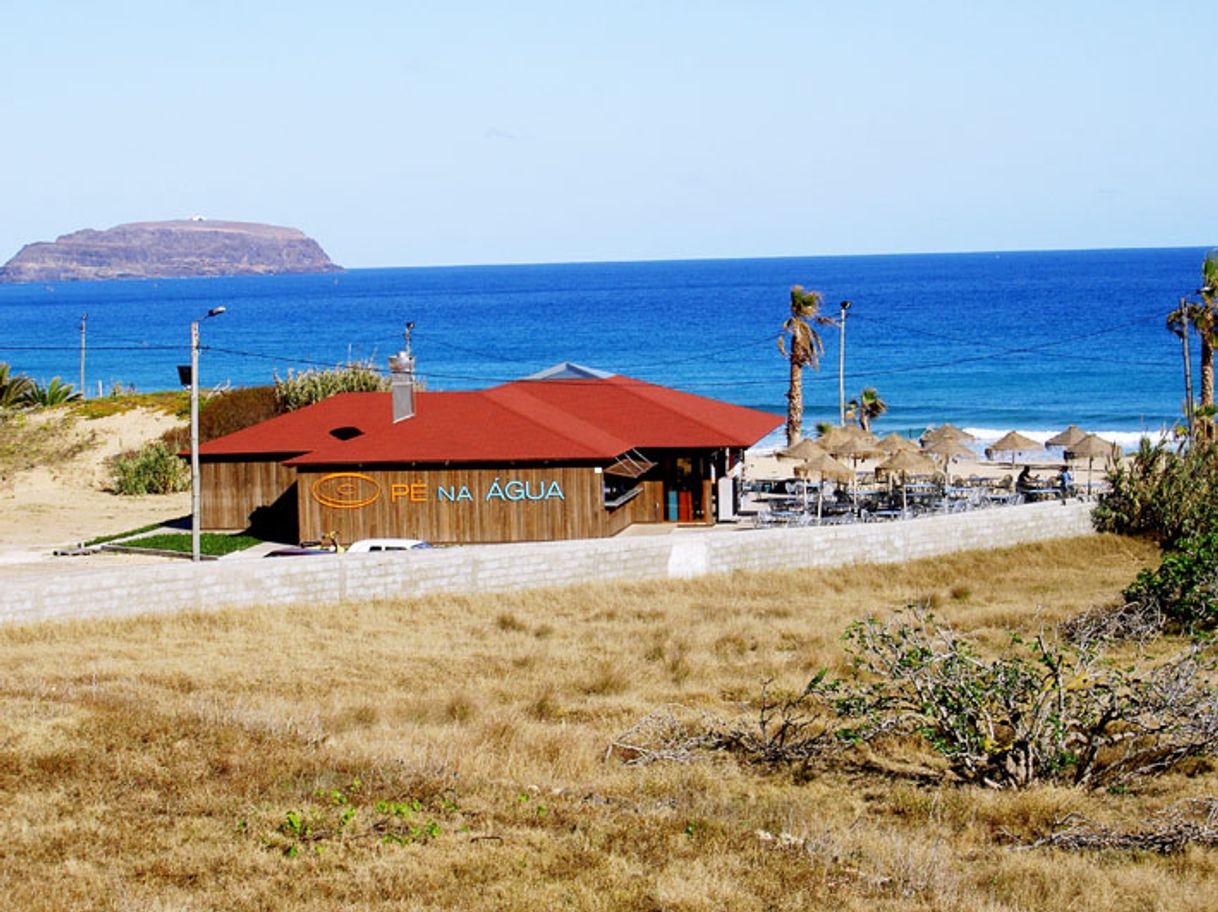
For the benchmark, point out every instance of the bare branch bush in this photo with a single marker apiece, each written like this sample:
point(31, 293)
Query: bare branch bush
point(1184, 824)
point(786, 730)
point(1139, 621)
point(791, 729)
point(675, 734)
point(1042, 712)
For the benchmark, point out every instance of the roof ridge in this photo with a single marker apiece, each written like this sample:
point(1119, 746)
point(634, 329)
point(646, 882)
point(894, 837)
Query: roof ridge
point(645, 390)
point(521, 388)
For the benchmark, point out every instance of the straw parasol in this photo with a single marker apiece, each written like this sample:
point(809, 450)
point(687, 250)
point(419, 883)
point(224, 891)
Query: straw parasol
point(838, 434)
point(948, 448)
point(905, 462)
point(805, 449)
point(1012, 443)
point(822, 466)
point(948, 430)
point(1067, 438)
point(856, 446)
point(1092, 447)
point(895, 443)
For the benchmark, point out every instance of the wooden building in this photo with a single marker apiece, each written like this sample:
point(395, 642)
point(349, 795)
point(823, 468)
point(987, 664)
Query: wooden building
point(569, 453)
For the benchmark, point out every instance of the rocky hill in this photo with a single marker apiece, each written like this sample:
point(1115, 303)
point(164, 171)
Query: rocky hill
point(176, 249)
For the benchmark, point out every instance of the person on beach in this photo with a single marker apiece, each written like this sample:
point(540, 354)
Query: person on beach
point(1065, 481)
point(1023, 484)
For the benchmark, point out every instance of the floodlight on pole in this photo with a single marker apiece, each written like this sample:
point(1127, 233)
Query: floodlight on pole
point(195, 486)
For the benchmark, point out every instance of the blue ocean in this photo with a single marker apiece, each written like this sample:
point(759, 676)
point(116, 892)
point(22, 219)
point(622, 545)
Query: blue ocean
point(989, 341)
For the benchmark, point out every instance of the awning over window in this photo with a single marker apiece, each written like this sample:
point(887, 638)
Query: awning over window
point(630, 464)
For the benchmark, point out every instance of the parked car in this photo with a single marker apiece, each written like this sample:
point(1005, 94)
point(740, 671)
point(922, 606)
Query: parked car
point(369, 545)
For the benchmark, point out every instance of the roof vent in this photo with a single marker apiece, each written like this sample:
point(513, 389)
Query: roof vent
point(401, 380)
point(345, 433)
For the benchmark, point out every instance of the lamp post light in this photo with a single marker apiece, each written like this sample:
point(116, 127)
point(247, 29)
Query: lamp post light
point(841, 365)
point(194, 432)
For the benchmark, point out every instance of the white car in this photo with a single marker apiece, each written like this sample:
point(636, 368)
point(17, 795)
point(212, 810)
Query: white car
point(369, 545)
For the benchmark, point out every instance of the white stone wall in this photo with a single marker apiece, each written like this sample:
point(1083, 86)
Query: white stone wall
point(178, 585)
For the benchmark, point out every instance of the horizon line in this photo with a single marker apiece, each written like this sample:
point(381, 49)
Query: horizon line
point(788, 256)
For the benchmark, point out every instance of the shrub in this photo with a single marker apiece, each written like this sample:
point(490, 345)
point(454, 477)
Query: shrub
point(1168, 495)
point(154, 469)
point(1041, 712)
point(1184, 587)
point(225, 413)
point(310, 386)
point(56, 392)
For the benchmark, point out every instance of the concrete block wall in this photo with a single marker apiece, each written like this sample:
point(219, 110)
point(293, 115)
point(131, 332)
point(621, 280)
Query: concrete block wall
point(176, 586)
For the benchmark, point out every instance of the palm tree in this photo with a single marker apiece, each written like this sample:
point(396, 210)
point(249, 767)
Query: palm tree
point(1202, 316)
point(805, 348)
point(1177, 324)
point(866, 407)
point(1205, 319)
point(51, 394)
point(13, 387)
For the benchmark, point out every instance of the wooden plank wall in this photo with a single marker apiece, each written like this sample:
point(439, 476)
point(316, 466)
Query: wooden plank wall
point(232, 491)
point(407, 504)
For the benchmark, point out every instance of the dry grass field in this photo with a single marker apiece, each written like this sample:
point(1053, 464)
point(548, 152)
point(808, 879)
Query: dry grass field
point(451, 753)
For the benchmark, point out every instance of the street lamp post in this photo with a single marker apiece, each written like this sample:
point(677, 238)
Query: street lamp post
point(194, 432)
point(841, 366)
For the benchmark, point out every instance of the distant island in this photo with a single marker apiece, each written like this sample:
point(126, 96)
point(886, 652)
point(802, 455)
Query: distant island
point(168, 250)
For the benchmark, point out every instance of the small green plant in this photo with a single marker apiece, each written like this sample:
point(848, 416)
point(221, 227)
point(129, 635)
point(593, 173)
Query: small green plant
point(154, 469)
point(349, 815)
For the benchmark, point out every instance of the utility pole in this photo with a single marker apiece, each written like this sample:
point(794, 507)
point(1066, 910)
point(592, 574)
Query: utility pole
point(841, 366)
point(195, 486)
point(83, 392)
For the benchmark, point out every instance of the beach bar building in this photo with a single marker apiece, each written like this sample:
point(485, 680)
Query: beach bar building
point(570, 452)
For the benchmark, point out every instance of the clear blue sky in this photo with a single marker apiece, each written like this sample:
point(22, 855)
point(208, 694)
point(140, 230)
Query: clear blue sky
point(410, 133)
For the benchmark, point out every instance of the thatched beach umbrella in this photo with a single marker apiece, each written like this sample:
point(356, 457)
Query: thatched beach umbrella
point(1013, 443)
point(837, 435)
point(948, 448)
point(857, 446)
point(822, 466)
point(805, 449)
point(895, 443)
point(1091, 448)
point(906, 462)
point(1067, 438)
point(949, 431)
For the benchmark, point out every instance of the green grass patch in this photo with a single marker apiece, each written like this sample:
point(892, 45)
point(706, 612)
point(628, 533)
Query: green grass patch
point(102, 539)
point(214, 544)
point(171, 402)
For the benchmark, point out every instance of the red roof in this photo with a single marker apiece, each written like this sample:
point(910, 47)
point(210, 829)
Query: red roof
point(523, 421)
